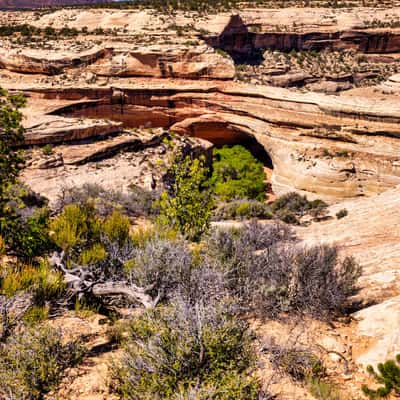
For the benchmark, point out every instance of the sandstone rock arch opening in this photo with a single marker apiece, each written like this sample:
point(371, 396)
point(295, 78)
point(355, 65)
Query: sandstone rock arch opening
point(216, 129)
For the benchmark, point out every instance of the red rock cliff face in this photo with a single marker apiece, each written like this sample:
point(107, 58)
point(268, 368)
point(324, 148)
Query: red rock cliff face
point(18, 4)
point(247, 46)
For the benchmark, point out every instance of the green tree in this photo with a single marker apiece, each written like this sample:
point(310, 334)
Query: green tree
point(388, 375)
point(23, 217)
point(11, 160)
point(188, 204)
point(237, 174)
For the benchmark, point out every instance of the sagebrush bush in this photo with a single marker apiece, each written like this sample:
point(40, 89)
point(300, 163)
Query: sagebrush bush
point(270, 273)
point(242, 209)
point(291, 206)
point(300, 363)
point(136, 202)
point(183, 348)
point(32, 363)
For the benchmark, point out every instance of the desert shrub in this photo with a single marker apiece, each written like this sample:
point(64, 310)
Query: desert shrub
point(2, 246)
point(171, 268)
point(136, 202)
point(291, 206)
point(342, 213)
point(320, 282)
point(27, 235)
point(269, 273)
point(44, 283)
point(75, 227)
point(116, 227)
point(35, 315)
point(184, 348)
point(187, 205)
point(47, 149)
point(388, 376)
point(237, 174)
point(323, 389)
point(88, 237)
point(242, 209)
point(32, 363)
point(301, 364)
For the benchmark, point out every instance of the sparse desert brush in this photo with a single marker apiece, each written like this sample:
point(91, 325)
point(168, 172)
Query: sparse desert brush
point(184, 348)
point(32, 363)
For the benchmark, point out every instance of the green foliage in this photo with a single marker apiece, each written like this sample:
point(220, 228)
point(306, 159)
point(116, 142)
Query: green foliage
point(242, 209)
point(84, 235)
point(24, 231)
point(32, 363)
point(388, 375)
point(291, 206)
point(28, 237)
point(323, 390)
point(237, 174)
point(36, 314)
point(187, 206)
point(342, 213)
point(42, 281)
point(75, 227)
point(186, 349)
point(47, 150)
point(116, 227)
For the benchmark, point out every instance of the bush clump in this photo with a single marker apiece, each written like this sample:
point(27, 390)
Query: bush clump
point(32, 363)
point(342, 213)
point(137, 202)
point(237, 174)
point(269, 272)
point(388, 376)
point(184, 349)
point(292, 206)
point(242, 209)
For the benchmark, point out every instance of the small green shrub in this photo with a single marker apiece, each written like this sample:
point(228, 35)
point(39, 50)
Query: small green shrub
point(237, 174)
point(44, 283)
point(242, 209)
point(36, 314)
point(47, 150)
point(74, 227)
point(292, 206)
point(323, 390)
point(32, 362)
point(116, 227)
point(388, 375)
point(300, 364)
point(342, 213)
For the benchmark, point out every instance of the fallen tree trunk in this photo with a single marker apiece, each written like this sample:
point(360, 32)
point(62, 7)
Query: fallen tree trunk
point(81, 281)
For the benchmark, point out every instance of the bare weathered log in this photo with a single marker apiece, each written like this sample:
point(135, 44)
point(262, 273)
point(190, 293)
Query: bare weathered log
point(81, 281)
point(130, 292)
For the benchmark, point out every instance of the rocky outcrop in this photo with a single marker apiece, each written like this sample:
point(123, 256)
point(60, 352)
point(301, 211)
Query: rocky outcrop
point(154, 61)
point(45, 62)
point(325, 146)
point(57, 130)
point(245, 40)
point(30, 4)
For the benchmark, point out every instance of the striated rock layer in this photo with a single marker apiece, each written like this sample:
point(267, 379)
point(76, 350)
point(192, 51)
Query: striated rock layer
point(19, 4)
point(328, 146)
